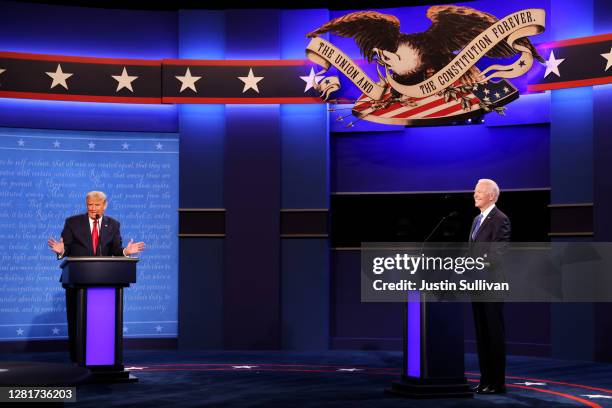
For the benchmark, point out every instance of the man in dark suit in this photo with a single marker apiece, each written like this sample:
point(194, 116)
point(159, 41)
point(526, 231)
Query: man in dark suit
point(89, 234)
point(490, 226)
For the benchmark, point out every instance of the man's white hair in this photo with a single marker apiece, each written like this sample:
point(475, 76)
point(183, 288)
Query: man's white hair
point(96, 195)
point(491, 186)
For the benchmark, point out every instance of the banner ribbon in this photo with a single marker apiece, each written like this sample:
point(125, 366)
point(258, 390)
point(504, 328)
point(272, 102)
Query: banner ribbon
point(523, 23)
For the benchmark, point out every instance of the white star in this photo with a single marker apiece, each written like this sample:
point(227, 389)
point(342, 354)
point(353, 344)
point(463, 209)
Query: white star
point(486, 98)
point(91, 145)
point(311, 79)
point(248, 367)
point(21, 142)
point(527, 383)
point(506, 90)
point(250, 81)
point(552, 65)
point(124, 80)
point(125, 146)
point(59, 77)
point(591, 396)
point(158, 328)
point(159, 146)
point(497, 95)
point(607, 56)
point(56, 144)
point(20, 332)
point(486, 91)
point(188, 81)
point(350, 370)
point(55, 330)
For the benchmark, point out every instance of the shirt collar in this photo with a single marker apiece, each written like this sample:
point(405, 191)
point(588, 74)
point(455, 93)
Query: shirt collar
point(486, 212)
point(91, 221)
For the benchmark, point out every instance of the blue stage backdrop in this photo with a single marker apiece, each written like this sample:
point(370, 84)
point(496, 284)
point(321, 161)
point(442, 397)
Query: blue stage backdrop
point(44, 176)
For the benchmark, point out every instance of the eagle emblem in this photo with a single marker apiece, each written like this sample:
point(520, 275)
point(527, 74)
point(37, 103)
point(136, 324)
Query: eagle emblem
point(436, 65)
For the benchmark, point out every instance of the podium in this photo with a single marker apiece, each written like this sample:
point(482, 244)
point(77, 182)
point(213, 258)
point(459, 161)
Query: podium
point(98, 283)
point(433, 362)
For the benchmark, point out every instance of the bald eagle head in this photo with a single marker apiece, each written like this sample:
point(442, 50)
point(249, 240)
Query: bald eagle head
point(404, 62)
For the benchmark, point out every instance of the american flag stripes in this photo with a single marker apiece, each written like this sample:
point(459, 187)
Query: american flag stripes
point(438, 108)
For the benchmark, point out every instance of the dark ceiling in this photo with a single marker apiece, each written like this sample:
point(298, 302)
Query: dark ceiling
point(219, 5)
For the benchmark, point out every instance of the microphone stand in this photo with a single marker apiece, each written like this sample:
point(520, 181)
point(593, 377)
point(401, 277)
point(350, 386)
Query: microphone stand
point(452, 214)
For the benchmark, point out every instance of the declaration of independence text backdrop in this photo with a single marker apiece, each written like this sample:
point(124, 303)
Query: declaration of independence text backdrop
point(44, 177)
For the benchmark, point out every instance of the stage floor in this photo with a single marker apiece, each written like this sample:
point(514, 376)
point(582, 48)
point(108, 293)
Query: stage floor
point(170, 378)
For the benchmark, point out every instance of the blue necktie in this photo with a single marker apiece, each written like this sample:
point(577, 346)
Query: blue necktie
point(476, 226)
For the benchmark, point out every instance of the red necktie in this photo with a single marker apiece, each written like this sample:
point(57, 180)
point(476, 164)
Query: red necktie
point(94, 236)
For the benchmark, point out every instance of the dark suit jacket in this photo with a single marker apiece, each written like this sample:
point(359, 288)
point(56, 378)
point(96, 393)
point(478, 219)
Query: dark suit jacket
point(77, 237)
point(492, 239)
point(495, 228)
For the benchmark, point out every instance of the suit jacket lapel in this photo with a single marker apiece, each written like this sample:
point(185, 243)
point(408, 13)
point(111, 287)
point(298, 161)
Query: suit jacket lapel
point(484, 222)
point(87, 233)
point(103, 232)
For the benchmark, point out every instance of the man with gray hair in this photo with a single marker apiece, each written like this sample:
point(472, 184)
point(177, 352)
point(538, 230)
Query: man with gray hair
point(89, 234)
point(491, 225)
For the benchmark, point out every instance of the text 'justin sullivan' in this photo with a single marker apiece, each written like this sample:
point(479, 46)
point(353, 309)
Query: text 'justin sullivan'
point(445, 285)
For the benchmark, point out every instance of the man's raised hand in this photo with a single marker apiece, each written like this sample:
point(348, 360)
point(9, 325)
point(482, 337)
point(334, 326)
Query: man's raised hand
point(133, 248)
point(56, 246)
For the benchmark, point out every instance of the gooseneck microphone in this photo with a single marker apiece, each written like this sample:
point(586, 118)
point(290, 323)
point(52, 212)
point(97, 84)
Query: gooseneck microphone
point(450, 215)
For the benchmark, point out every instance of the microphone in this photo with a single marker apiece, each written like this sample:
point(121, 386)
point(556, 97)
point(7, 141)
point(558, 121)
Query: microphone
point(99, 248)
point(450, 215)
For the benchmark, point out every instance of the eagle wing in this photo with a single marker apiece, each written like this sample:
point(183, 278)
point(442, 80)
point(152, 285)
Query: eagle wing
point(453, 27)
point(369, 29)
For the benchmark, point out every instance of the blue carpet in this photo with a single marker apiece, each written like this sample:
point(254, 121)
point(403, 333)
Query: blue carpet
point(170, 378)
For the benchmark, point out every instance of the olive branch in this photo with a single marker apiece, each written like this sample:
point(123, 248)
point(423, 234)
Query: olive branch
point(456, 93)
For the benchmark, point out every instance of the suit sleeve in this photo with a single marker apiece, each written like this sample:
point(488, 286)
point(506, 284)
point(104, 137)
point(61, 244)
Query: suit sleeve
point(503, 231)
point(501, 239)
point(117, 243)
point(68, 237)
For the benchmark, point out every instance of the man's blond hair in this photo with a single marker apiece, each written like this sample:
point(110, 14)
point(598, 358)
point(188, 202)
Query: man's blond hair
point(96, 195)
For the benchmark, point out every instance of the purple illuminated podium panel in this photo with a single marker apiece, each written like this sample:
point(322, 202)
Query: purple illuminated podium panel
point(433, 351)
point(100, 337)
point(99, 283)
